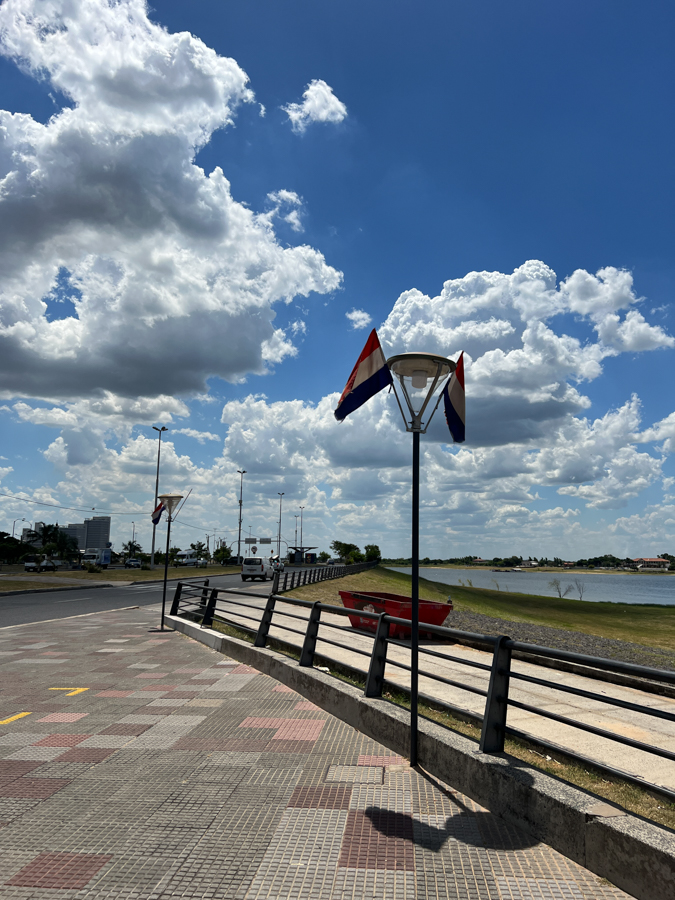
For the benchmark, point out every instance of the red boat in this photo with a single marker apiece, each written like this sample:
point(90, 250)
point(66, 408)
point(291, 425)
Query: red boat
point(400, 607)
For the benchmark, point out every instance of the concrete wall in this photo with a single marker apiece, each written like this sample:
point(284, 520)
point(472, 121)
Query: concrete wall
point(635, 855)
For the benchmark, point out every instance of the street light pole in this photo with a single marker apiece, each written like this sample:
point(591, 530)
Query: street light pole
point(14, 523)
point(154, 527)
point(296, 533)
point(302, 546)
point(133, 539)
point(281, 494)
point(241, 472)
point(414, 371)
point(170, 501)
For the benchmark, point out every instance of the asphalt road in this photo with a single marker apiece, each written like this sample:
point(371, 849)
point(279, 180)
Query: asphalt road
point(20, 609)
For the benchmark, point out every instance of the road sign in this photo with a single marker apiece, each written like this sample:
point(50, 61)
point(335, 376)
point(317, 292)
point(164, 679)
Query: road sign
point(265, 541)
point(250, 540)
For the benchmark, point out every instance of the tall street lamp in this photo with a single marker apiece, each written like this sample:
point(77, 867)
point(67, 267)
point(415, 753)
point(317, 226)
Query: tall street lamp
point(241, 472)
point(170, 501)
point(159, 449)
point(281, 494)
point(14, 523)
point(133, 538)
point(414, 372)
point(302, 546)
point(296, 533)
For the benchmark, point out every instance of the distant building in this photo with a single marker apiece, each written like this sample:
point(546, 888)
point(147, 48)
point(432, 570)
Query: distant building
point(78, 532)
point(26, 534)
point(91, 534)
point(651, 562)
point(529, 564)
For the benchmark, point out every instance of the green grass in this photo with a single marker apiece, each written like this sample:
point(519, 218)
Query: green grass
point(651, 625)
point(8, 583)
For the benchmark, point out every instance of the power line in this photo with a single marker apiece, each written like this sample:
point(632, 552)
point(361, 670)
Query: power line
point(75, 508)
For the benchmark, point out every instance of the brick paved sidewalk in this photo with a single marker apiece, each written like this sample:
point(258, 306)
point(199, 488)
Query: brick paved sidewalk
point(140, 765)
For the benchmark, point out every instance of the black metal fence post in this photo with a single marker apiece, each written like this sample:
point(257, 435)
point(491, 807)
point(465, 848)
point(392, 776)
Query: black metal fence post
point(205, 593)
point(176, 599)
point(311, 635)
point(275, 582)
point(207, 621)
point(378, 660)
point(265, 622)
point(497, 702)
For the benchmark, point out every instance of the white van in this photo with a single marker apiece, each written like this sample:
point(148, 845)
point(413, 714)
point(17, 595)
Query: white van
point(186, 558)
point(256, 567)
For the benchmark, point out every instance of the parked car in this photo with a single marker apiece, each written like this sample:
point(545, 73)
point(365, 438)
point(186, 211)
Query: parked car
point(277, 564)
point(47, 565)
point(256, 567)
point(132, 563)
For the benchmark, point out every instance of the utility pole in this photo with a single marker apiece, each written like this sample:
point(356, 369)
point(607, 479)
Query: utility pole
point(241, 472)
point(296, 533)
point(302, 546)
point(281, 494)
point(154, 527)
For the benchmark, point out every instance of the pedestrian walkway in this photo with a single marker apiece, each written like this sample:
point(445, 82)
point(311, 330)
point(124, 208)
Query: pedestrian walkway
point(137, 764)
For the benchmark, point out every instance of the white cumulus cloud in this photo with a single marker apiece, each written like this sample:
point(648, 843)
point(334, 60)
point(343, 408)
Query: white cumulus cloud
point(103, 207)
point(319, 104)
point(359, 318)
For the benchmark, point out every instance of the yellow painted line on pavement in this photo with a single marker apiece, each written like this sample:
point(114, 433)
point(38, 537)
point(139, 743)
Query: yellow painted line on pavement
point(73, 691)
point(14, 718)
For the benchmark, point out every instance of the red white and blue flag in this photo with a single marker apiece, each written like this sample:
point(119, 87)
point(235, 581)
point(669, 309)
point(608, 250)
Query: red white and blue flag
point(454, 402)
point(157, 514)
point(369, 375)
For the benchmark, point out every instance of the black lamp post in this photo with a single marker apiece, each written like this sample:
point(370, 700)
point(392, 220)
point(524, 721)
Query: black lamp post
point(154, 527)
point(413, 372)
point(170, 501)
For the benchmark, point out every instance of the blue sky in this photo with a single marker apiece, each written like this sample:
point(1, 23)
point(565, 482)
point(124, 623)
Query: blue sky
point(444, 139)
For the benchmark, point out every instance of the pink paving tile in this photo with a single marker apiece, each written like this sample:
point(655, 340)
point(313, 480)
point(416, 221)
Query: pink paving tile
point(187, 671)
point(282, 689)
point(114, 693)
point(152, 675)
point(244, 670)
point(259, 722)
point(63, 717)
point(365, 760)
point(34, 788)
point(300, 730)
point(15, 767)
point(84, 754)
point(61, 740)
point(60, 871)
point(306, 704)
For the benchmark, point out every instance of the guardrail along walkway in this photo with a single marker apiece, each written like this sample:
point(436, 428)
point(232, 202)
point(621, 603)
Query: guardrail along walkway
point(622, 731)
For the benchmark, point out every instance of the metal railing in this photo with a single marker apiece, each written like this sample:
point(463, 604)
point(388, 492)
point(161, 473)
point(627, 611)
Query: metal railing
point(227, 606)
point(292, 580)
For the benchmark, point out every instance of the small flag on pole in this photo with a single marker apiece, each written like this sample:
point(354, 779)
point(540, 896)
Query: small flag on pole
point(157, 514)
point(454, 402)
point(369, 375)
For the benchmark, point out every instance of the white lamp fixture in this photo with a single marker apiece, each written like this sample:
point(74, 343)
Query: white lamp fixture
point(413, 372)
point(170, 501)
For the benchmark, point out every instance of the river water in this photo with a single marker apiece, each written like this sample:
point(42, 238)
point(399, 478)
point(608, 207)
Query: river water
point(598, 587)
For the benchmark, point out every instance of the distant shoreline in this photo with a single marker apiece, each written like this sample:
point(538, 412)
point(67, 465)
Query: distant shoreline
point(547, 569)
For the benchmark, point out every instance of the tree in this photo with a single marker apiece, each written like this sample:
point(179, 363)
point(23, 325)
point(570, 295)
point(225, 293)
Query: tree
point(555, 584)
point(323, 556)
point(343, 550)
point(372, 552)
point(200, 547)
point(132, 548)
point(222, 554)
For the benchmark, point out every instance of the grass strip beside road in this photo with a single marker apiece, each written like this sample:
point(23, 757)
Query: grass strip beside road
point(651, 625)
point(109, 575)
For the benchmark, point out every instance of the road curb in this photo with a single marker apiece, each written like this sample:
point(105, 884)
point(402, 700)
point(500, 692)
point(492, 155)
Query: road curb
point(75, 587)
point(635, 855)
